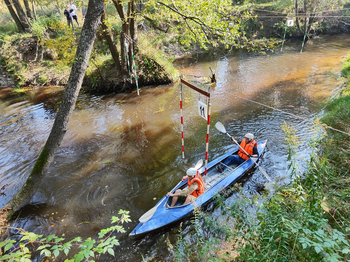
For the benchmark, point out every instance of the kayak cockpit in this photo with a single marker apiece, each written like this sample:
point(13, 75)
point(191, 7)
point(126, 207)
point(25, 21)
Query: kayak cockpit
point(180, 203)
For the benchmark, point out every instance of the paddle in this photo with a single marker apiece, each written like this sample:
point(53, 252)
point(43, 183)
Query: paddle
point(146, 216)
point(219, 126)
point(199, 164)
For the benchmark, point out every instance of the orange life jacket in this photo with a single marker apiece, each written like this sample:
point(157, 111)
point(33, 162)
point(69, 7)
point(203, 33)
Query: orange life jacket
point(248, 147)
point(200, 188)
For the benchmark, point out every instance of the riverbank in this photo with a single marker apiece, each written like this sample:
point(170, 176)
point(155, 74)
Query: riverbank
point(44, 57)
point(24, 65)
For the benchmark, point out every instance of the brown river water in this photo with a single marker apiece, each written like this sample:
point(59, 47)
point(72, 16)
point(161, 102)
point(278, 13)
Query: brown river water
point(124, 151)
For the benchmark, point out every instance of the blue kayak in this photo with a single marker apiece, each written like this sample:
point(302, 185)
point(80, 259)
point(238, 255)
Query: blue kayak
point(215, 182)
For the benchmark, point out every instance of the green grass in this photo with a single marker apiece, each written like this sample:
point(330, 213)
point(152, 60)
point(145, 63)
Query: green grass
point(345, 69)
point(337, 116)
point(147, 48)
point(7, 25)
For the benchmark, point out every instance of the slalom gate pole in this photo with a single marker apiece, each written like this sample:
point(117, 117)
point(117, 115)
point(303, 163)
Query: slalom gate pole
point(302, 46)
point(127, 58)
point(284, 36)
point(134, 64)
point(182, 124)
point(207, 141)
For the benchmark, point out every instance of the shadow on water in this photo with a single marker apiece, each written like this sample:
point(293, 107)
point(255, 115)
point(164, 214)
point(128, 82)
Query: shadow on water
point(124, 151)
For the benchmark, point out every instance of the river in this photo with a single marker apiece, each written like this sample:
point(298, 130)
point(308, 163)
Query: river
point(123, 151)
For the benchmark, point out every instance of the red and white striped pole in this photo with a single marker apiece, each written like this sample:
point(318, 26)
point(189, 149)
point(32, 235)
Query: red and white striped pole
point(182, 124)
point(207, 142)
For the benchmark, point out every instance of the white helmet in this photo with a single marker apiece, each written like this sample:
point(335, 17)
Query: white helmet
point(249, 135)
point(191, 171)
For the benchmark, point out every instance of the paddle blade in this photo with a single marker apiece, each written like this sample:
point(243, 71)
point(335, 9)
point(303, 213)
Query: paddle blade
point(146, 216)
point(199, 164)
point(219, 126)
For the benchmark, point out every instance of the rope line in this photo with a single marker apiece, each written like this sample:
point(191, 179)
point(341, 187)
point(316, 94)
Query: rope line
point(296, 116)
point(276, 12)
point(299, 15)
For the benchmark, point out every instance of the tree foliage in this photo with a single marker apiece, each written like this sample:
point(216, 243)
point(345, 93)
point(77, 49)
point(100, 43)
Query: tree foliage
point(205, 23)
point(53, 246)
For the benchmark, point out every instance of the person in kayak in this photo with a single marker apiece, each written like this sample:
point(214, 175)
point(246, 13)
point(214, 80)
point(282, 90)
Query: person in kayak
point(249, 145)
point(195, 188)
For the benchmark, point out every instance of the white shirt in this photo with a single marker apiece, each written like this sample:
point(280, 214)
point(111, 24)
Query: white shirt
point(74, 9)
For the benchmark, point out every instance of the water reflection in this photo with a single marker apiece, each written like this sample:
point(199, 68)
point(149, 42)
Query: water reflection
point(124, 151)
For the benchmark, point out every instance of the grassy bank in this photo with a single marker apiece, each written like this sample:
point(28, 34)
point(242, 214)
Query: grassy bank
point(307, 220)
point(44, 57)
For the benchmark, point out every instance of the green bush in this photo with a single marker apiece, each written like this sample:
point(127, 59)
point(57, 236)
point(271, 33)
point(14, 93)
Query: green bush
point(345, 69)
point(7, 25)
point(8, 28)
point(53, 247)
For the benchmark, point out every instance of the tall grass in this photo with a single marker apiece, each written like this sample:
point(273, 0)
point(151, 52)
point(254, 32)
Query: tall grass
point(147, 46)
point(7, 25)
point(345, 69)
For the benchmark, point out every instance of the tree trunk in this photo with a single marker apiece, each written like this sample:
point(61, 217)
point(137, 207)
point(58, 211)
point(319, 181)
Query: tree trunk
point(39, 52)
point(14, 16)
point(107, 34)
point(29, 12)
point(88, 35)
point(59, 8)
point(305, 19)
point(22, 16)
point(133, 26)
point(129, 39)
point(42, 10)
point(123, 57)
point(34, 10)
point(296, 14)
point(125, 31)
point(313, 7)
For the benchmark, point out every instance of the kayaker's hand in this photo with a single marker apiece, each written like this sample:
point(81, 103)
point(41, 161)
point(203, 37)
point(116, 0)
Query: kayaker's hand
point(233, 139)
point(184, 178)
point(249, 155)
point(169, 194)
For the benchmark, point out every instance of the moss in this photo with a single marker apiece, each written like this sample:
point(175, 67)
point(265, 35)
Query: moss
point(10, 215)
point(28, 188)
point(41, 161)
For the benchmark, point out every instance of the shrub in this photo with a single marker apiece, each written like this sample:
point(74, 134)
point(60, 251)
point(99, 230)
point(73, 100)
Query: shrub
point(345, 69)
point(54, 247)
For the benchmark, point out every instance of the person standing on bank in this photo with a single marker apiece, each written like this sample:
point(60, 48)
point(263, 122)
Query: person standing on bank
point(73, 12)
point(83, 10)
point(195, 188)
point(67, 13)
point(250, 147)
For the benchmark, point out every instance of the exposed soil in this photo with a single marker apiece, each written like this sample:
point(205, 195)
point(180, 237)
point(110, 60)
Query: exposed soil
point(104, 79)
